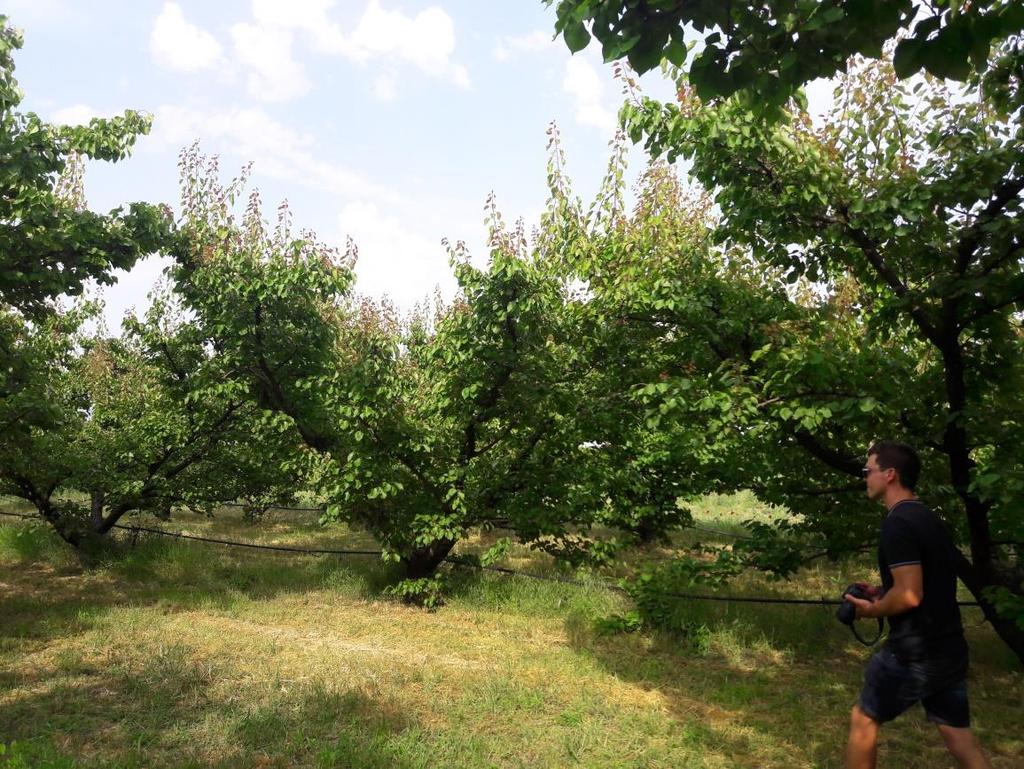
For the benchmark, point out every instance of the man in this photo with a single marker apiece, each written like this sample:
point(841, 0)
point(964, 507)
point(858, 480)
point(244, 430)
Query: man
point(925, 657)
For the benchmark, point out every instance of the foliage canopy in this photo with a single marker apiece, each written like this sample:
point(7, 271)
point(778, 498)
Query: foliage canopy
point(770, 49)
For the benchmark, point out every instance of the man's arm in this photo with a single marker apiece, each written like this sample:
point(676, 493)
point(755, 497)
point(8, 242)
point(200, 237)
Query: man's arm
point(905, 594)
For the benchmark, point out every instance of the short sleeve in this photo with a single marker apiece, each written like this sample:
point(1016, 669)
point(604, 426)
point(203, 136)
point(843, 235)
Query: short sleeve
point(900, 546)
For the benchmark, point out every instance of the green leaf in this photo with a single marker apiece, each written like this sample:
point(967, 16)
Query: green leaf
point(576, 36)
point(676, 52)
point(907, 59)
point(647, 53)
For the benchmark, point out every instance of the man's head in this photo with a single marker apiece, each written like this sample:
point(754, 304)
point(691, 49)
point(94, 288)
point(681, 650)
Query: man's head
point(890, 463)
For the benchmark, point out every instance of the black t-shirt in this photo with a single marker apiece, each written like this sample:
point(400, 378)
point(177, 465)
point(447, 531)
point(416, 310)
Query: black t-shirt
point(913, 534)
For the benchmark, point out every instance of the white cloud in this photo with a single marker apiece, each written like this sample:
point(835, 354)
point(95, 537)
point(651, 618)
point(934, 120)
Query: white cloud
point(276, 150)
point(39, 14)
point(426, 41)
point(297, 14)
point(389, 248)
point(308, 16)
point(460, 76)
point(181, 46)
point(533, 42)
point(76, 114)
point(266, 51)
point(384, 88)
point(583, 83)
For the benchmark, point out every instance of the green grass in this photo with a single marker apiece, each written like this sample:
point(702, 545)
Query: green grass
point(181, 654)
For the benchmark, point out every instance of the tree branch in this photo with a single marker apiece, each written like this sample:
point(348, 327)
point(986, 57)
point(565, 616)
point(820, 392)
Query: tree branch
point(834, 459)
point(968, 243)
point(870, 250)
point(273, 393)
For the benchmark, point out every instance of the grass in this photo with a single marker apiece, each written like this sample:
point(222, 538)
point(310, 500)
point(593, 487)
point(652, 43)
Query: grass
point(189, 655)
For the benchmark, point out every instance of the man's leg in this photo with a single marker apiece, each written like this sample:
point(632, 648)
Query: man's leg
point(950, 712)
point(862, 746)
point(964, 747)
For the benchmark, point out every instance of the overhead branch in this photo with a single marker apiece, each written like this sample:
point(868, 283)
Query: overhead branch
point(513, 477)
point(814, 394)
point(837, 460)
point(871, 251)
point(987, 308)
point(273, 395)
point(1006, 192)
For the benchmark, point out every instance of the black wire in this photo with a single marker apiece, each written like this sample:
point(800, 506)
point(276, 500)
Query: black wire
point(277, 507)
point(253, 545)
point(498, 569)
point(718, 532)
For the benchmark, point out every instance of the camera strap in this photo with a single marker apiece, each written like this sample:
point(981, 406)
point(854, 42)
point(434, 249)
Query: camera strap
point(859, 637)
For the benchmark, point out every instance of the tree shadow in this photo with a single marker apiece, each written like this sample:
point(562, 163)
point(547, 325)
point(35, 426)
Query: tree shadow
point(48, 598)
point(172, 710)
point(769, 703)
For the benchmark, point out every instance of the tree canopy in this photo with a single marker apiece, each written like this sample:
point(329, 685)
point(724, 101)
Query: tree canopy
point(50, 244)
point(770, 49)
point(900, 215)
point(493, 409)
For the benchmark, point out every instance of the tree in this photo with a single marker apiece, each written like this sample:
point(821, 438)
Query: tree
point(904, 209)
point(770, 49)
point(143, 422)
point(650, 276)
point(479, 413)
point(50, 244)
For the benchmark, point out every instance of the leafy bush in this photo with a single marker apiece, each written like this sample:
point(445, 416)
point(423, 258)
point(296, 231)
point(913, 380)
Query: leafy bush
point(27, 543)
point(17, 755)
point(656, 591)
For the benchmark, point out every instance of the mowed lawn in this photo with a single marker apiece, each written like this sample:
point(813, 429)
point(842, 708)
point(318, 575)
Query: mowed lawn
point(191, 655)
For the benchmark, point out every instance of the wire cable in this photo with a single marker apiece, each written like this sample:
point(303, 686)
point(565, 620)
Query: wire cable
point(497, 569)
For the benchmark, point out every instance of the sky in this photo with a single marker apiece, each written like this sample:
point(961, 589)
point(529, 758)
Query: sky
point(387, 121)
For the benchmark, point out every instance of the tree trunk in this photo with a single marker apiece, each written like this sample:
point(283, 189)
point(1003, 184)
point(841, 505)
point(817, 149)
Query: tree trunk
point(982, 570)
point(1007, 629)
point(423, 561)
point(71, 524)
point(97, 498)
point(649, 533)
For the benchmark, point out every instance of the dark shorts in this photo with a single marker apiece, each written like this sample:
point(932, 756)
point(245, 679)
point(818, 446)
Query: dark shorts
point(892, 686)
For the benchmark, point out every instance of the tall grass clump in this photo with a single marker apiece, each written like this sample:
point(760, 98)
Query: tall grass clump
point(720, 624)
point(537, 597)
point(30, 542)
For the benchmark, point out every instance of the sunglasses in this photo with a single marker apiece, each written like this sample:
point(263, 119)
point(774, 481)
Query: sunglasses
point(866, 471)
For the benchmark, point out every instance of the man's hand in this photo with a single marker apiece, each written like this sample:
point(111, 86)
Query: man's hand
point(864, 606)
point(906, 593)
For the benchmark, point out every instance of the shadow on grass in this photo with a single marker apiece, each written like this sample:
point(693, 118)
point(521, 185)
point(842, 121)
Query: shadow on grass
point(112, 710)
point(757, 704)
point(44, 594)
point(777, 690)
point(131, 714)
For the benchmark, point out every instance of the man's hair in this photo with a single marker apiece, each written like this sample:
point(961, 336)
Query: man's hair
point(901, 458)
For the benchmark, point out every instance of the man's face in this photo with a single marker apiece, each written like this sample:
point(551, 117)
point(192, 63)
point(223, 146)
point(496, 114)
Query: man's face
point(875, 478)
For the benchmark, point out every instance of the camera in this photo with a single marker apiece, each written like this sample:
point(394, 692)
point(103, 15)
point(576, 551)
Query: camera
point(847, 612)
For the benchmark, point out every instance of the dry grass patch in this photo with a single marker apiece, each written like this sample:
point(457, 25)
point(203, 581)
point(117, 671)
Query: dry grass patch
point(186, 655)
